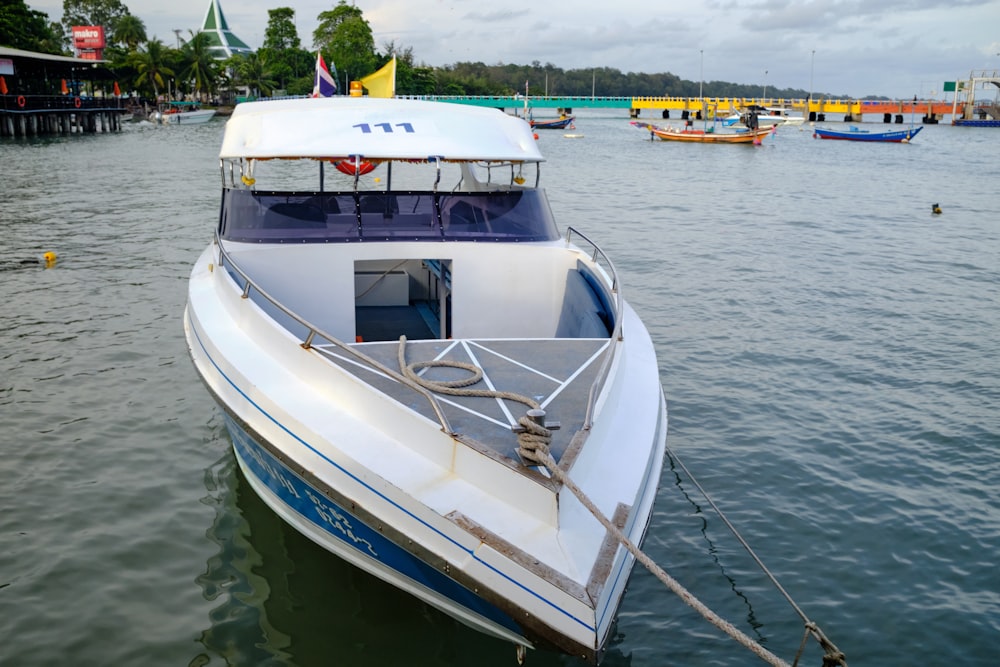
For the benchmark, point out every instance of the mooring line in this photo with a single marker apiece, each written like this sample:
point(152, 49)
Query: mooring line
point(534, 439)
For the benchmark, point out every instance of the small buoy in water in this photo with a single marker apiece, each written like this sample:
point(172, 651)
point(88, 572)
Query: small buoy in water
point(535, 135)
point(48, 259)
point(935, 209)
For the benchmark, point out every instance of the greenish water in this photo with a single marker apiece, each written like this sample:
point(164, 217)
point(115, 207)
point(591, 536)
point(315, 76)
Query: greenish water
point(828, 348)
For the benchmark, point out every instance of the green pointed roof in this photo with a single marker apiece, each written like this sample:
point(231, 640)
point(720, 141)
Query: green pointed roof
point(223, 43)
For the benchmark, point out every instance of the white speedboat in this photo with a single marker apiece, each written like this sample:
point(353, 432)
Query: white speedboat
point(182, 113)
point(766, 116)
point(338, 322)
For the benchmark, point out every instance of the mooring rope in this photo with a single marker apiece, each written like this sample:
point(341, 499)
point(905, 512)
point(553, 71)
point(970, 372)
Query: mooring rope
point(529, 436)
point(534, 440)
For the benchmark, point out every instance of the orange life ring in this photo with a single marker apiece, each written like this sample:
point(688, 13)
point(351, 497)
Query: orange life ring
point(76, 102)
point(21, 101)
point(347, 167)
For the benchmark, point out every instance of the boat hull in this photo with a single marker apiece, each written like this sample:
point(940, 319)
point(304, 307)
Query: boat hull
point(188, 117)
point(554, 124)
point(702, 137)
point(976, 122)
point(900, 136)
point(451, 561)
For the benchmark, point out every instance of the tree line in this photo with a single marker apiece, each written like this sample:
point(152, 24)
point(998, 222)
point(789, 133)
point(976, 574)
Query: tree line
point(147, 65)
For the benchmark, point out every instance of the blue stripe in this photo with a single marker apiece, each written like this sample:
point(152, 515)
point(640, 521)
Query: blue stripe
point(380, 495)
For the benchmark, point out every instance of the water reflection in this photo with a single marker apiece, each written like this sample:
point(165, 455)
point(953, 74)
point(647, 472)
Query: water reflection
point(714, 552)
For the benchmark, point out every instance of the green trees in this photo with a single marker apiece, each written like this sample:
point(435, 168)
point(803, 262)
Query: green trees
point(286, 65)
point(151, 66)
point(130, 31)
point(24, 28)
point(251, 71)
point(198, 66)
point(345, 38)
point(105, 13)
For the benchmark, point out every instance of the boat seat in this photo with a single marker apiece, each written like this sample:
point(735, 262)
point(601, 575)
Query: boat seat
point(386, 205)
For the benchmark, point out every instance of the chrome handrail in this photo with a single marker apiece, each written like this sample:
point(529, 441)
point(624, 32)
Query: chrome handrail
point(616, 335)
point(313, 331)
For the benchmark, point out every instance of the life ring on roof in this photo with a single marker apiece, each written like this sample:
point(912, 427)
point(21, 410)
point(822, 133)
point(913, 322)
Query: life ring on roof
point(76, 102)
point(348, 167)
point(21, 101)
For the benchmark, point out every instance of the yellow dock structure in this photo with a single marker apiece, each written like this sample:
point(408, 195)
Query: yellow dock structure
point(817, 109)
point(886, 111)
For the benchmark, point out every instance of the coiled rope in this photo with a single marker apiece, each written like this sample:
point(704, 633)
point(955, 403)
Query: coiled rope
point(534, 440)
point(530, 436)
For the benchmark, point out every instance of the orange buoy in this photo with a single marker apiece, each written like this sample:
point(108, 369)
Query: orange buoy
point(76, 102)
point(21, 101)
point(348, 167)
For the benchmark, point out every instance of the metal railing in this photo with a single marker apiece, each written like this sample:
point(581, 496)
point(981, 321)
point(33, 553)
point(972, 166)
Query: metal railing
point(314, 331)
point(616, 334)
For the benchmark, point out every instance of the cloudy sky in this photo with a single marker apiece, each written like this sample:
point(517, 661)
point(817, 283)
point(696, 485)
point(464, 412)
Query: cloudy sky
point(896, 48)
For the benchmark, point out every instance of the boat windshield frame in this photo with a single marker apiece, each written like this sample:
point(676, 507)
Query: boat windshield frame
point(497, 216)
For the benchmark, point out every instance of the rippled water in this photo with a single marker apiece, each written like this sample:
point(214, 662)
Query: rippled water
point(828, 347)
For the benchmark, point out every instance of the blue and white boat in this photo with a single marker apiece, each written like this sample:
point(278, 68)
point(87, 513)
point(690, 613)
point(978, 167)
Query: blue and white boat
point(855, 133)
point(337, 319)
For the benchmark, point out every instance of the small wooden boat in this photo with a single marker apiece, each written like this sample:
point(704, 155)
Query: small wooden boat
point(855, 133)
point(560, 123)
point(709, 135)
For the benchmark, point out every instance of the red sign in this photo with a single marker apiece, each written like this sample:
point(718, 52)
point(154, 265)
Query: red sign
point(88, 37)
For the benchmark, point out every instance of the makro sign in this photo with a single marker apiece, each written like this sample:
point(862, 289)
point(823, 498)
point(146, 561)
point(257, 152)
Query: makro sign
point(88, 37)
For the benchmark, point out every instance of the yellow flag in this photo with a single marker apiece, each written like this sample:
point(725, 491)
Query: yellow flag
point(383, 82)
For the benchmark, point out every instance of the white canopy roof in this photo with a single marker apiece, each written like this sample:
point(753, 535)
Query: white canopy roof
point(376, 128)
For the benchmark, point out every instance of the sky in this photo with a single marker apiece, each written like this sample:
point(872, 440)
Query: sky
point(852, 48)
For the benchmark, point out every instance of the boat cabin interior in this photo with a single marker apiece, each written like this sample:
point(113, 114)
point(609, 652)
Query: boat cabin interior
point(424, 264)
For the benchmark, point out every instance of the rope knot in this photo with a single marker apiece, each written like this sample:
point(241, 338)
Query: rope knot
point(533, 438)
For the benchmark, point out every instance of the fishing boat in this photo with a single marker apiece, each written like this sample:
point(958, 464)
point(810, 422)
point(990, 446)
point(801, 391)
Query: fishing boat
point(706, 135)
point(420, 372)
point(855, 133)
point(182, 113)
point(560, 123)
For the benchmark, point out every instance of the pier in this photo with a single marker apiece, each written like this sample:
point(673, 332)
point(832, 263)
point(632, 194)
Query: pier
point(43, 94)
point(888, 111)
point(41, 115)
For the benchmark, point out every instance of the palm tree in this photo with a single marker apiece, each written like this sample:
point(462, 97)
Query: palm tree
point(150, 64)
point(130, 31)
point(253, 72)
point(199, 65)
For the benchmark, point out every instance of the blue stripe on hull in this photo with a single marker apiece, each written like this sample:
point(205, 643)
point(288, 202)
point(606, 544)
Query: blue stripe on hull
point(313, 506)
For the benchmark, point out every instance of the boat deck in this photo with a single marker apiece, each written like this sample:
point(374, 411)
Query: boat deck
point(558, 373)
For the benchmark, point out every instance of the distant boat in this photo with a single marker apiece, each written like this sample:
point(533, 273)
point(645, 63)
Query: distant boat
point(855, 133)
point(560, 123)
point(766, 116)
point(709, 135)
point(182, 113)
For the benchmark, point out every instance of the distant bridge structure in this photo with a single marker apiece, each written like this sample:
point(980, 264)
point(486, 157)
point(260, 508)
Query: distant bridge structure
point(930, 111)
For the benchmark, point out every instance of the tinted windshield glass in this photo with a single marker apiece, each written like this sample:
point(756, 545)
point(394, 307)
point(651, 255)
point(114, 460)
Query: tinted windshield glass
point(322, 217)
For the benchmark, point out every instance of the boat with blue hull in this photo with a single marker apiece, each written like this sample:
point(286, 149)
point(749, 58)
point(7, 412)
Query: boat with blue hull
point(855, 133)
point(420, 372)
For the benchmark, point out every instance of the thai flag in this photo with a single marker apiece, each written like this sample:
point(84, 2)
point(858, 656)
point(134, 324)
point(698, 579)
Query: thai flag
point(324, 85)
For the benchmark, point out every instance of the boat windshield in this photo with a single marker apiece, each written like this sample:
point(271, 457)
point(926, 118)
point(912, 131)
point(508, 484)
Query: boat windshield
point(253, 216)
